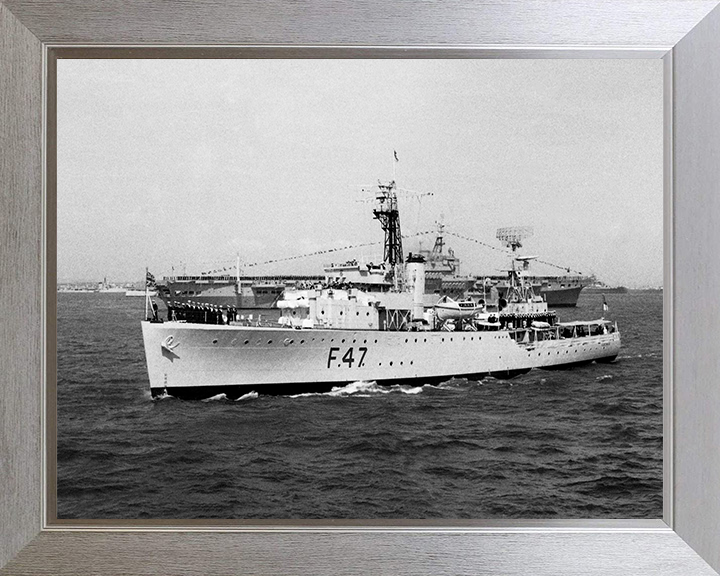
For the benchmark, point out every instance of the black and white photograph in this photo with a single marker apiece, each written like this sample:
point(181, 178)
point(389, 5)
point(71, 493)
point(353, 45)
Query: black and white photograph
point(364, 289)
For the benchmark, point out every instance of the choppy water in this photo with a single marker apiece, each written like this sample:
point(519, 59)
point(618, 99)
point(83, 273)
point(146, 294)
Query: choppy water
point(582, 443)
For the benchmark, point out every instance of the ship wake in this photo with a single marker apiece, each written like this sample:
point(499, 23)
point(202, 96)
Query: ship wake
point(217, 398)
point(363, 389)
point(222, 397)
point(163, 396)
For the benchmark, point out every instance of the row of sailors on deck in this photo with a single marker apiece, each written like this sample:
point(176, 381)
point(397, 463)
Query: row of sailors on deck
point(201, 313)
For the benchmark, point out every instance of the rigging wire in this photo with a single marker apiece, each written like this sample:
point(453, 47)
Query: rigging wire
point(315, 253)
point(565, 269)
point(504, 251)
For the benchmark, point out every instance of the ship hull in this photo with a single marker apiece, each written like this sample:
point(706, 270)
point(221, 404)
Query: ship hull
point(599, 290)
point(140, 293)
point(561, 297)
point(199, 361)
point(555, 297)
point(222, 294)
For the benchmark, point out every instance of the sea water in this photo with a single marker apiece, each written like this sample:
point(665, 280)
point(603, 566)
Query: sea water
point(579, 443)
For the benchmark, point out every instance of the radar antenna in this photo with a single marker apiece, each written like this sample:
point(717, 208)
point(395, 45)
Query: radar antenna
point(513, 236)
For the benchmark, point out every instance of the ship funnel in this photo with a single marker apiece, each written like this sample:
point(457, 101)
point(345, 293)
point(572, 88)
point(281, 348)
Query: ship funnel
point(415, 270)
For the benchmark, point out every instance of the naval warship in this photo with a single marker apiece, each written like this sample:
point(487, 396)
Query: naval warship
point(329, 335)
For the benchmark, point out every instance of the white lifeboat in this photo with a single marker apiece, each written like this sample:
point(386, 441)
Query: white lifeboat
point(449, 309)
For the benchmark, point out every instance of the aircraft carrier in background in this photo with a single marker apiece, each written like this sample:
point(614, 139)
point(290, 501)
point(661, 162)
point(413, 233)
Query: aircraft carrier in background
point(443, 278)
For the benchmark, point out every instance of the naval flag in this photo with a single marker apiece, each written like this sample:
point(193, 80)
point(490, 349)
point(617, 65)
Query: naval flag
point(605, 304)
point(149, 279)
point(395, 154)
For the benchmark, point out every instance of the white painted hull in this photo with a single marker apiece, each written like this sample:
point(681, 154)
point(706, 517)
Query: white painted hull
point(151, 293)
point(203, 359)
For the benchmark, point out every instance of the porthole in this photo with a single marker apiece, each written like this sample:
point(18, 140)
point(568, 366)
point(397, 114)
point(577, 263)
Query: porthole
point(391, 363)
point(215, 341)
point(246, 342)
point(412, 362)
point(269, 341)
point(302, 341)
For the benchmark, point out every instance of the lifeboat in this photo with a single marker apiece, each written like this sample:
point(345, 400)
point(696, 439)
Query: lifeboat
point(449, 309)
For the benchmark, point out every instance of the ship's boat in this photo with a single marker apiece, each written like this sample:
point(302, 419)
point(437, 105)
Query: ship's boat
point(331, 335)
point(449, 309)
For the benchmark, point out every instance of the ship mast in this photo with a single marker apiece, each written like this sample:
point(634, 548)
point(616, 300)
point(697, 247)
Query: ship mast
point(386, 212)
point(512, 237)
point(437, 250)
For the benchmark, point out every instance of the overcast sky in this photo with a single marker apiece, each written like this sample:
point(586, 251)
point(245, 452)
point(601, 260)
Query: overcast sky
point(186, 163)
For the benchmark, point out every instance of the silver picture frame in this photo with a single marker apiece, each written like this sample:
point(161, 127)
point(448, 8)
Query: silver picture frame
point(685, 34)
